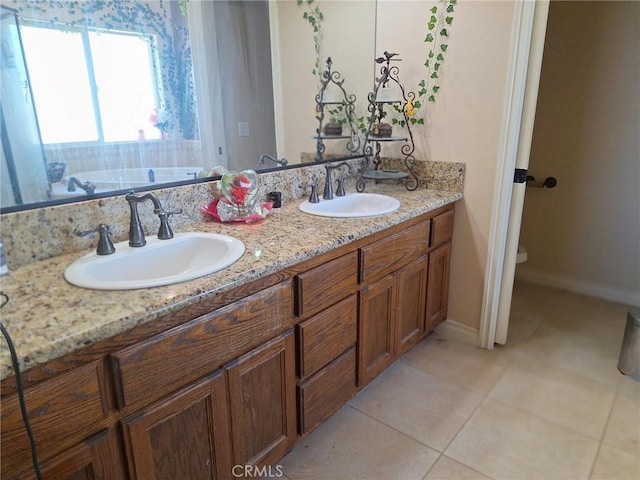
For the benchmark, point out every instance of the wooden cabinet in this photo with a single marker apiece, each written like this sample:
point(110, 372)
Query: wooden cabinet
point(398, 309)
point(326, 362)
point(376, 330)
point(327, 335)
point(392, 318)
point(392, 252)
point(326, 341)
point(242, 415)
point(326, 391)
point(392, 308)
point(323, 286)
point(442, 230)
point(438, 281)
point(262, 402)
point(98, 457)
point(148, 370)
point(64, 411)
point(185, 435)
point(411, 285)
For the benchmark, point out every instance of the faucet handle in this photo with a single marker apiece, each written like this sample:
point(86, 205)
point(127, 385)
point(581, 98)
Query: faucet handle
point(340, 191)
point(165, 232)
point(313, 197)
point(105, 245)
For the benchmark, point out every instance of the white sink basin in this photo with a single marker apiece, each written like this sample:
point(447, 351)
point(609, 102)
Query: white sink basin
point(352, 205)
point(159, 262)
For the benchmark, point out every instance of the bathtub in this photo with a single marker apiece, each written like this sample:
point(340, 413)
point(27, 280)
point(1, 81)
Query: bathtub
point(134, 177)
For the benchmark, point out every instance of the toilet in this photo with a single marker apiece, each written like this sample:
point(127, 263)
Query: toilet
point(521, 257)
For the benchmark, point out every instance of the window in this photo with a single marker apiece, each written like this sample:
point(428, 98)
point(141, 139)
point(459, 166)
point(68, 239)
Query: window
point(91, 85)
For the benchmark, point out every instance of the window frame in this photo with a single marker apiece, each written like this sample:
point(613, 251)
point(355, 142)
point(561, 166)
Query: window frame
point(154, 64)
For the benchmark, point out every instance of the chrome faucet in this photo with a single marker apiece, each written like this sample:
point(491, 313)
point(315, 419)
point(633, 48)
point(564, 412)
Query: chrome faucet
point(282, 162)
point(88, 187)
point(136, 233)
point(328, 184)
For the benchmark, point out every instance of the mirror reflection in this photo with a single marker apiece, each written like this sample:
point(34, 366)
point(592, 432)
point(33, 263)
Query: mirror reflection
point(101, 96)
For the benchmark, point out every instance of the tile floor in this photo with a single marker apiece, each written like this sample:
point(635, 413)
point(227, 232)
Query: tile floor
point(549, 405)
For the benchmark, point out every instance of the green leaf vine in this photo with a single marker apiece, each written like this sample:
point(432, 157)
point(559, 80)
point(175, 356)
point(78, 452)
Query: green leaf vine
point(315, 17)
point(438, 30)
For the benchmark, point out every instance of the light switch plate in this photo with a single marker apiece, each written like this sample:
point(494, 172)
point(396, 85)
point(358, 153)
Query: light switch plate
point(243, 129)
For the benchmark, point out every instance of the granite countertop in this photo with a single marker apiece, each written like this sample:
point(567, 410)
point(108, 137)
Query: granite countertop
point(48, 318)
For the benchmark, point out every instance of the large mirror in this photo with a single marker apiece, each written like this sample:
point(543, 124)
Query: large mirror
point(101, 96)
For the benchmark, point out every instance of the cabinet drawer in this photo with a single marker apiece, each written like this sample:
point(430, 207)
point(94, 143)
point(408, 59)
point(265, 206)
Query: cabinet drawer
point(183, 354)
point(325, 285)
point(62, 411)
point(442, 228)
point(327, 391)
point(326, 335)
point(391, 253)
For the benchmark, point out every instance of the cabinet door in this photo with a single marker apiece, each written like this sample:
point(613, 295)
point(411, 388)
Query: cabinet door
point(262, 400)
point(183, 436)
point(376, 332)
point(98, 457)
point(411, 285)
point(438, 286)
point(63, 411)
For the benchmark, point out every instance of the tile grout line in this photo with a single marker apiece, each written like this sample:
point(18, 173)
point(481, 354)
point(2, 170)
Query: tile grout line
point(604, 430)
point(440, 454)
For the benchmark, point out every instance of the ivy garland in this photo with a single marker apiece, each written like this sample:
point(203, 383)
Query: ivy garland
point(315, 17)
point(438, 25)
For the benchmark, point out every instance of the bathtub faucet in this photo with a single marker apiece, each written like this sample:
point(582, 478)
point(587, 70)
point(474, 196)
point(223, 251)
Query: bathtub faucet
point(282, 162)
point(88, 187)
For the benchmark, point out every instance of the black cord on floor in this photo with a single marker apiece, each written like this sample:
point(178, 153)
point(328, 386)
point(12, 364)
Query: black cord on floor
point(23, 406)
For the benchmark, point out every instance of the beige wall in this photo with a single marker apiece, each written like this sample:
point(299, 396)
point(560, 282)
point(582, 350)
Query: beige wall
point(348, 38)
point(465, 123)
point(584, 235)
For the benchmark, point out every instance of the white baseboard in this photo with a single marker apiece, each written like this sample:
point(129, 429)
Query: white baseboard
point(605, 292)
point(458, 331)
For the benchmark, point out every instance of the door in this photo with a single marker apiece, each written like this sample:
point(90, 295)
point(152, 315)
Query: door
point(501, 261)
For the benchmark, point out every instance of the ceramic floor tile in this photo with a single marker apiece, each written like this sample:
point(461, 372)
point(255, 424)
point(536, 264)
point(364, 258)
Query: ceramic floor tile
point(584, 356)
point(592, 318)
point(521, 328)
point(351, 445)
point(543, 389)
point(613, 464)
point(421, 405)
point(448, 469)
point(623, 429)
point(506, 443)
point(535, 302)
point(468, 366)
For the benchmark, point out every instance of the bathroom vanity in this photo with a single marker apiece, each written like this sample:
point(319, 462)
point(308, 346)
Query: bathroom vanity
point(234, 368)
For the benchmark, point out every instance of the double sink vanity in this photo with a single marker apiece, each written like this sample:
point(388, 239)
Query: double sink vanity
point(190, 379)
